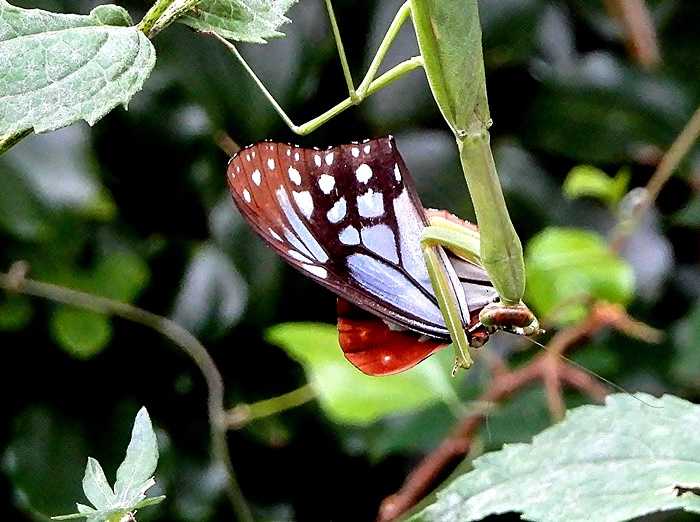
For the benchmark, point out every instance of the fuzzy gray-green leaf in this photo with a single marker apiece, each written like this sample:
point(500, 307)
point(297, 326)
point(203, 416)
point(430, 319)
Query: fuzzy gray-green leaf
point(60, 68)
point(96, 488)
point(135, 472)
point(242, 20)
point(605, 463)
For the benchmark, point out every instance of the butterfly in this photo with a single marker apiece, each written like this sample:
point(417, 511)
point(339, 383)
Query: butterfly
point(350, 218)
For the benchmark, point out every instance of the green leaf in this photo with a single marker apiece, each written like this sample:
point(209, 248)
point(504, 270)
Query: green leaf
point(120, 276)
point(689, 216)
point(21, 211)
point(588, 181)
point(83, 334)
point(101, 515)
point(602, 110)
point(565, 266)
point(43, 460)
point(685, 365)
point(150, 501)
point(15, 312)
point(608, 463)
point(96, 488)
point(59, 170)
point(213, 295)
point(242, 20)
point(349, 396)
point(59, 68)
point(72, 516)
point(135, 473)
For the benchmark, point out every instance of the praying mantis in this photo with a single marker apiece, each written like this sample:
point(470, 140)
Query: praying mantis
point(449, 39)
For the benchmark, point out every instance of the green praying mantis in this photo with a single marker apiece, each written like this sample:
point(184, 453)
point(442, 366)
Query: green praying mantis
point(449, 39)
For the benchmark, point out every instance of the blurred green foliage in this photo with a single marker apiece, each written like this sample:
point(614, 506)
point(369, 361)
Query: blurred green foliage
point(567, 268)
point(350, 397)
point(136, 208)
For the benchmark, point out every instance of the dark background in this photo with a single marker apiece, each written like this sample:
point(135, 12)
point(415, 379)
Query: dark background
point(136, 208)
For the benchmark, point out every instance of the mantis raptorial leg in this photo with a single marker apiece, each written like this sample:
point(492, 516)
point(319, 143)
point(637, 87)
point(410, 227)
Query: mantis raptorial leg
point(465, 242)
point(369, 85)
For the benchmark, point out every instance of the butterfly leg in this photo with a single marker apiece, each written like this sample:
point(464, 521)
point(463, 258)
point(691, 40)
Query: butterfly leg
point(368, 86)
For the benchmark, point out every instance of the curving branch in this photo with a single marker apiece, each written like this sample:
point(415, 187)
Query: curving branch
point(15, 281)
point(668, 165)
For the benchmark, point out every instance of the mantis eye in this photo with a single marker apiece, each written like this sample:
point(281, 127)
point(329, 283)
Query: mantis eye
point(349, 217)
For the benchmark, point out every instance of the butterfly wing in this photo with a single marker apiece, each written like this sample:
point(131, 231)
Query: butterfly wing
point(374, 347)
point(350, 218)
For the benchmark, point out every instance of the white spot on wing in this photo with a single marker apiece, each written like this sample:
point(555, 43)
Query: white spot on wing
point(337, 211)
point(256, 177)
point(326, 183)
point(370, 204)
point(299, 257)
point(363, 173)
point(274, 234)
point(247, 157)
point(271, 164)
point(397, 172)
point(305, 202)
point(329, 158)
point(318, 271)
point(349, 236)
point(294, 175)
point(306, 242)
point(355, 152)
point(296, 156)
point(380, 240)
point(367, 148)
point(317, 160)
point(246, 195)
point(289, 152)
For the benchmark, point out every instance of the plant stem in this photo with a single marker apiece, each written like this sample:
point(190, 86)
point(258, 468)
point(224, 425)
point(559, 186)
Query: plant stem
point(162, 14)
point(179, 336)
point(8, 141)
point(244, 414)
point(152, 16)
point(667, 166)
point(640, 33)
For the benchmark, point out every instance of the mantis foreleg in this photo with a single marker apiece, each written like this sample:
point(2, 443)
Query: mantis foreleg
point(449, 305)
point(465, 242)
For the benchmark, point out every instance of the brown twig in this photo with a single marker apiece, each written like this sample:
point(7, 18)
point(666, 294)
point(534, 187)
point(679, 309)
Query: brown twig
point(668, 165)
point(550, 367)
point(640, 33)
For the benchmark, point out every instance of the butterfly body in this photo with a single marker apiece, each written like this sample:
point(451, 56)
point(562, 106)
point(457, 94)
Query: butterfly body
point(349, 217)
